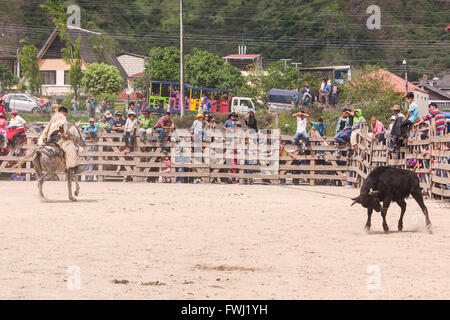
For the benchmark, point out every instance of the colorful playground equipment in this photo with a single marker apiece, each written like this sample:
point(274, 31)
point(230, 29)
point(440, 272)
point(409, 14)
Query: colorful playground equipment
point(165, 96)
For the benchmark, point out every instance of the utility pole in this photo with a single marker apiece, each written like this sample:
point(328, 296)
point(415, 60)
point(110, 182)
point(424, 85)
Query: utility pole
point(285, 60)
point(406, 82)
point(182, 100)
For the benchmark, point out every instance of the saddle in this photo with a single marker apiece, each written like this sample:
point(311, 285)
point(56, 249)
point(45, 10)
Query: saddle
point(52, 149)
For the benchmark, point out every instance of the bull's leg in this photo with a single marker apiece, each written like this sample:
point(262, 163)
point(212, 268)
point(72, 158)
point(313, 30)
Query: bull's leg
point(419, 198)
point(69, 184)
point(369, 216)
point(384, 210)
point(402, 205)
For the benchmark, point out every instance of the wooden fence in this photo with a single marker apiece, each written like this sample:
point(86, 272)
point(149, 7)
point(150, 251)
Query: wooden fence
point(243, 157)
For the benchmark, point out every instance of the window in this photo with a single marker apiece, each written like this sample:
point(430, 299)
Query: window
point(66, 77)
point(48, 77)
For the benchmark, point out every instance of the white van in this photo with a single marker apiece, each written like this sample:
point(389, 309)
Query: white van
point(242, 105)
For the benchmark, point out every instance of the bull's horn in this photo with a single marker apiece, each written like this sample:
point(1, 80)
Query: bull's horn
point(354, 201)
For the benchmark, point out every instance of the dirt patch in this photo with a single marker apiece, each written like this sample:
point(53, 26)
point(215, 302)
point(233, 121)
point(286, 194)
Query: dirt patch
point(226, 268)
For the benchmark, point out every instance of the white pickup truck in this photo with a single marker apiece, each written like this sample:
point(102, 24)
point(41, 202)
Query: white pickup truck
point(242, 105)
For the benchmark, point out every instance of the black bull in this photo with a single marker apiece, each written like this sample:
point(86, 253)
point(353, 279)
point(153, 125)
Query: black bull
point(386, 184)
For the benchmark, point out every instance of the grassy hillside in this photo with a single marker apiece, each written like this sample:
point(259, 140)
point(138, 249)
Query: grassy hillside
point(314, 32)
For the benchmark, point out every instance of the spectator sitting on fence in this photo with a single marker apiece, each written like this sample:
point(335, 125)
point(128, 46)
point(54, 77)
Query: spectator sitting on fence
point(301, 137)
point(119, 123)
point(164, 123)
point(284, 152)
point(145, 126)
point(320, 127)
point(212, 123)
point(109, 118)
point(197, 128)
point(411, 116)
point(358, 123)
point(130, 131)
point(91, 130)
point(437, 115)
point(232, 122)
point(103, 124)
point(378, 129)
point(389, 134)
point(343, 128)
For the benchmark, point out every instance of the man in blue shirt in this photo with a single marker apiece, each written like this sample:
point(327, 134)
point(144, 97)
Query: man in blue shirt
point(326, 92)
point(411, 116)
point(91, 130)
point(206, 105)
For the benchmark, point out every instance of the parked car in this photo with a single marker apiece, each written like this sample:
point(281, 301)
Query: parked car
point(242, 105)
point(24, 103)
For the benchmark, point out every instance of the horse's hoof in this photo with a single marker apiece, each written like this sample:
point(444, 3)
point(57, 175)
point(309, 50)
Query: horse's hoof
point(400, 228)
point(367, 229)
point(76, 193)
point(72, 199)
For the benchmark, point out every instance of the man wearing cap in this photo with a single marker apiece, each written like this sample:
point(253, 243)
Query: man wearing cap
point(55, 131)
point(119, 123)
point(437, 115)
point(91, 130)
point(145, 125)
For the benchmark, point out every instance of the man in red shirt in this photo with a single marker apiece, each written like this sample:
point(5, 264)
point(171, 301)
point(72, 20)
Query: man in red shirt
point(437, 115)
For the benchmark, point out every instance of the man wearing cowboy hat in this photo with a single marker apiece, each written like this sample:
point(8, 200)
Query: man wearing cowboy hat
point(109, 117)
point(397, 111)
point(232, 122)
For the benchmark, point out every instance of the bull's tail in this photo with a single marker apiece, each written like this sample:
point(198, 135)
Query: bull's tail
point(37, 164)
point(25, 159)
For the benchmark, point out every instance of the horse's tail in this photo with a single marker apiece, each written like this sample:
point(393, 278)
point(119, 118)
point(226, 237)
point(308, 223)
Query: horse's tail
point(24, 159)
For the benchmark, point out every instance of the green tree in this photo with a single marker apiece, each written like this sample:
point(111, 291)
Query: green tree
point(102, 80)
point(30, 68)
point(163, 64)
point(71, 52)
point(207, 70)
point(139, 84)
point(7, 78)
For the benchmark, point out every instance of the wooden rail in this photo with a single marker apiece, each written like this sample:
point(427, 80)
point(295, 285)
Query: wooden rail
point(249, 158)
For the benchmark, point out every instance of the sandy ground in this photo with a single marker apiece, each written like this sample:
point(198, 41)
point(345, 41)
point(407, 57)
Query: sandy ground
point(172, 241)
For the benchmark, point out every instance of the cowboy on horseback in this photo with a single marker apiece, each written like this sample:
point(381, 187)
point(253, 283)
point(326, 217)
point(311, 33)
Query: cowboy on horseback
point(55, 132)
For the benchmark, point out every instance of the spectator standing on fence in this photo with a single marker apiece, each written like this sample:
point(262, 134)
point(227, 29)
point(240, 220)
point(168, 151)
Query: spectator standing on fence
point(119, 123)
point(411, 116)
point(129, 134)
point(164, 123)
point(145, 126)
point(389, 135)
point(437, 115)
point(378, 129)
point(335, 91)
point(301, 135)
point(104, 124)
point(91, 130)
point(320, 127)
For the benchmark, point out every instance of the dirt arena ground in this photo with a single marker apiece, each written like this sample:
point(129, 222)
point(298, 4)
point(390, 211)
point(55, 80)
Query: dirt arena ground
point(172, 241)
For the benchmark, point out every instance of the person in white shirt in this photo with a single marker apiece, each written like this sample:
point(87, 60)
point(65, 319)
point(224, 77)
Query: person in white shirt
point(16, 127)
point(130, 131)
point(16, 121)
point(301, 134)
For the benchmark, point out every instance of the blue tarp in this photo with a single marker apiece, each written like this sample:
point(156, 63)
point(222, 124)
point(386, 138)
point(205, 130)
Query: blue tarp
point(280, 96)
